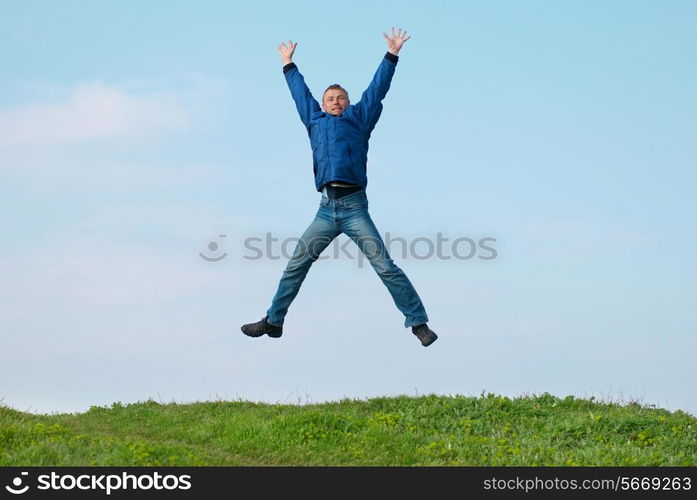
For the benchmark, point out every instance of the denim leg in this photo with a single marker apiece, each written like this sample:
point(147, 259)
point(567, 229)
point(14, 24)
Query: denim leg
point(358, 226)
point(318, 235)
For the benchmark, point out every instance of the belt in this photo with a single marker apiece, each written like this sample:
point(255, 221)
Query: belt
point(335, 192)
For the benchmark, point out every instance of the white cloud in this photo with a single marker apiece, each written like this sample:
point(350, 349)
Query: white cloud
point(120, 255)
point(88, 272)
point(83, 137)
point(93, 111)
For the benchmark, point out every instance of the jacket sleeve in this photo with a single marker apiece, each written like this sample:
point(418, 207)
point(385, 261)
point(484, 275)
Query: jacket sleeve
point(370, 105)
point(304, 102)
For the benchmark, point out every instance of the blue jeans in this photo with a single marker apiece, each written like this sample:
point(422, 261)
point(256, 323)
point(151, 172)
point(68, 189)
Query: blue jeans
point(348, 215)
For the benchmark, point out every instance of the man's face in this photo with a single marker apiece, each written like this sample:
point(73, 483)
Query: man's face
point(335, 101)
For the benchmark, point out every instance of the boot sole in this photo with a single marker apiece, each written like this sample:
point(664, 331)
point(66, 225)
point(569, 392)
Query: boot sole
point(272, 335)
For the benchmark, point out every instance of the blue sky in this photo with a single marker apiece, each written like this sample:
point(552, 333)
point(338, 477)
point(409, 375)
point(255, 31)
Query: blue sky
point(133, 134)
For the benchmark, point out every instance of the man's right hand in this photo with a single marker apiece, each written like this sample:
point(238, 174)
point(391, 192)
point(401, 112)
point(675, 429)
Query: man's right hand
point(286, 52)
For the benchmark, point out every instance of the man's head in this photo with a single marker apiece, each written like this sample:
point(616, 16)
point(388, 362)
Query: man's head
point(335, 100)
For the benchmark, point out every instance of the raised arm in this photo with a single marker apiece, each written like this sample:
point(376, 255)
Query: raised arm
point(304, 102)
point(369, 107)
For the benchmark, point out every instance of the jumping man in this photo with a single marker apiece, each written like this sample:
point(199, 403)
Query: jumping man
point(339, 132)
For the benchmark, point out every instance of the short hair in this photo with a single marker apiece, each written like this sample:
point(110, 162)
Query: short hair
point(337, 87)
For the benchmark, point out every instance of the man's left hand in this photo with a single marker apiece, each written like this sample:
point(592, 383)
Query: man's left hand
point(395, 42)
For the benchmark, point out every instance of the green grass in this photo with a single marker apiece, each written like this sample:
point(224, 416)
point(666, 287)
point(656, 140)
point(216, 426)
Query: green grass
point(426, 430)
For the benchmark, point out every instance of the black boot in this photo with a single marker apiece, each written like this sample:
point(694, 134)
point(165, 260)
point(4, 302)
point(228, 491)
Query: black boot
point(425, 334)
point(262, 327)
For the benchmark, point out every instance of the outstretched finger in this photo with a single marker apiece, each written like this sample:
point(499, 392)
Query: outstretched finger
point(392, 30)
point(407, 38)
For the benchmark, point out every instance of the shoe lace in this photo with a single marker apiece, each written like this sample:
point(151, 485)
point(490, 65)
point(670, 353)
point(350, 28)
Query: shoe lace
point(420, 329)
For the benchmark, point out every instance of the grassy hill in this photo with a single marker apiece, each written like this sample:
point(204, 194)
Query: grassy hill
point(426, 430)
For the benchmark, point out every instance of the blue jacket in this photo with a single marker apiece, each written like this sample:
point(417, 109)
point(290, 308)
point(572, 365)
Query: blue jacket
point(340, 143)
